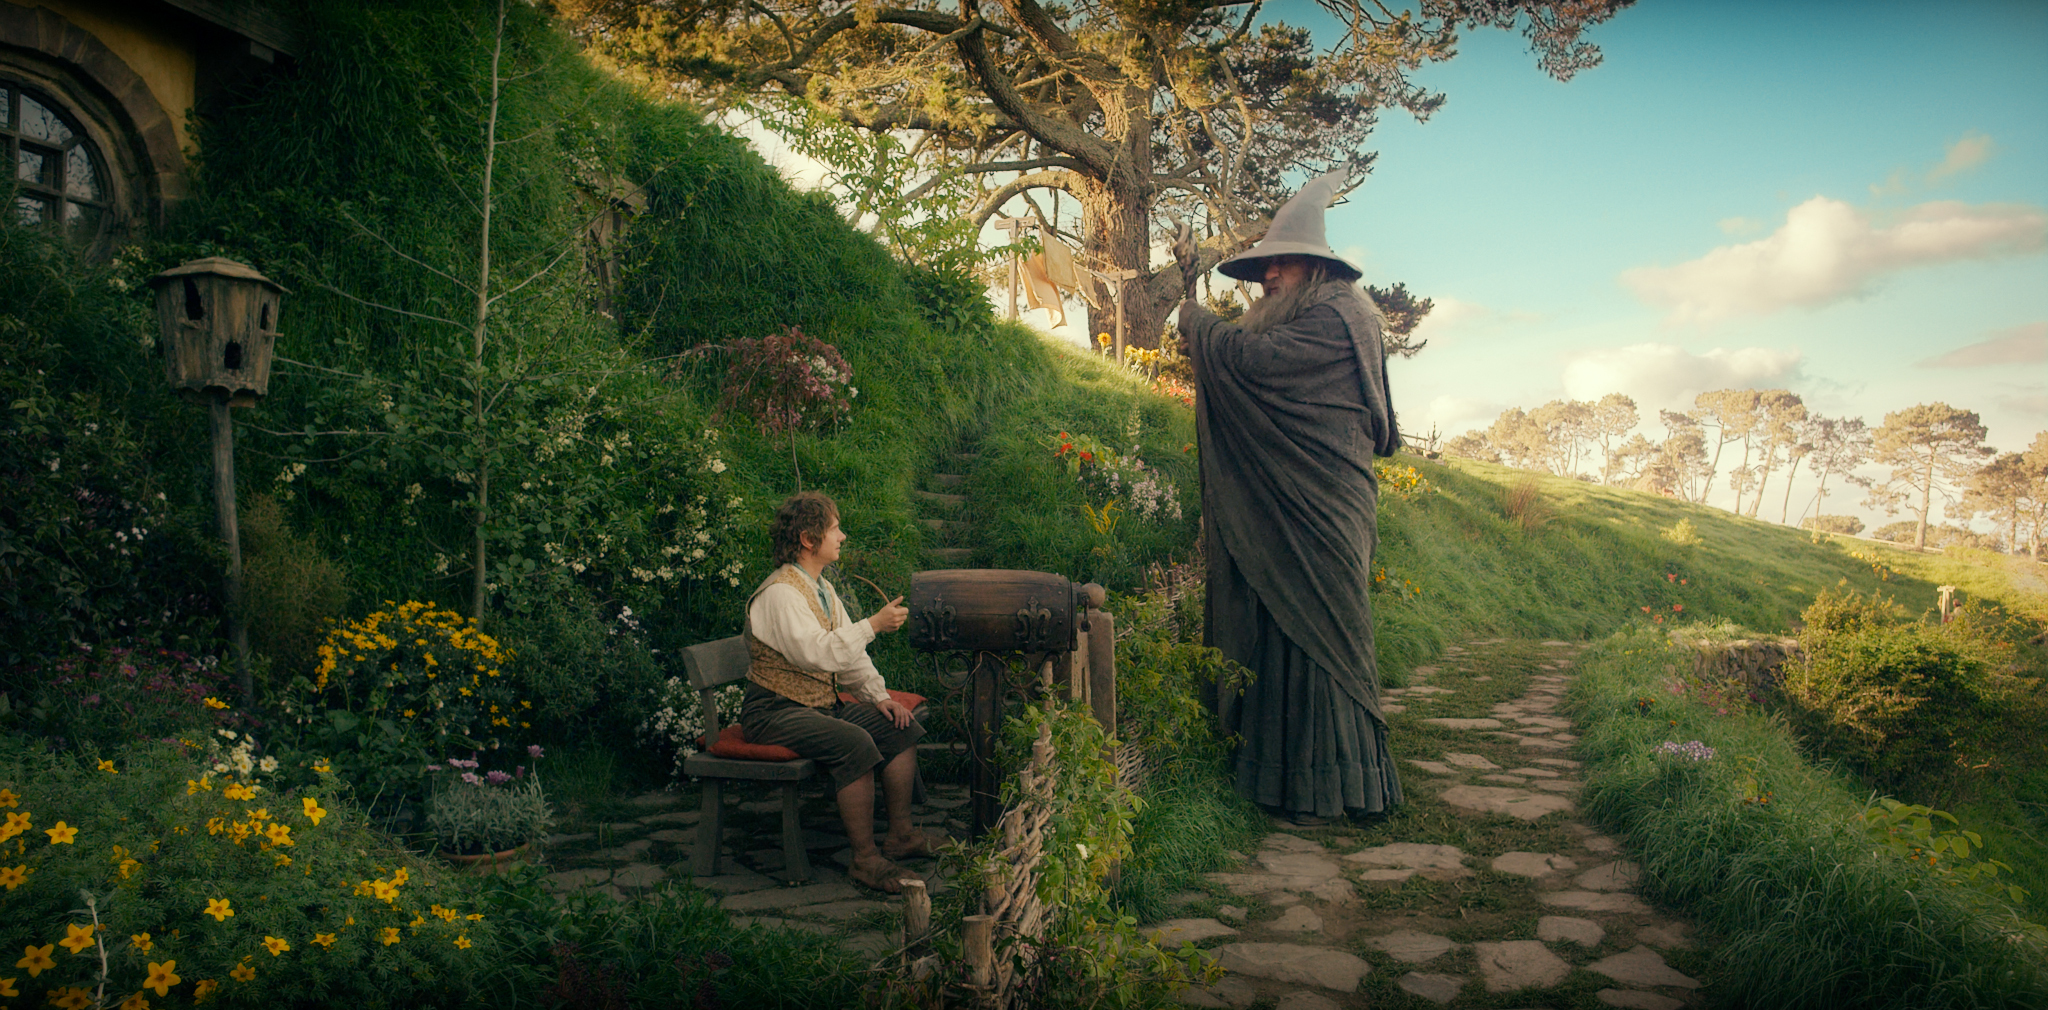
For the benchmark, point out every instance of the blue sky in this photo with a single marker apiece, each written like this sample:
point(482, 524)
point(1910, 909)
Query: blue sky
point(1818, 197)
point(1846, 200)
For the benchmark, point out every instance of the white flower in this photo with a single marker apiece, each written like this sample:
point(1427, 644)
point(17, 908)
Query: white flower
point(717, 465)
point(230, 734)
point(268, 764)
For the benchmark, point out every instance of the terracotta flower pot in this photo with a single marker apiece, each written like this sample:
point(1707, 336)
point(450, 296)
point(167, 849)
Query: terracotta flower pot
point(489, 862)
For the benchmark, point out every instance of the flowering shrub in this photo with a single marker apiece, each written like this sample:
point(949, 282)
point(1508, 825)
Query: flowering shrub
point(1109, 475)
point(1169, 386)
point(1383, 582)
point(430, 668)
point(1691, 750)
point(1401, 480)
point(787, 381)
point(107, 696)
point(145, 877)
point(1955, 855)
point(678, 719)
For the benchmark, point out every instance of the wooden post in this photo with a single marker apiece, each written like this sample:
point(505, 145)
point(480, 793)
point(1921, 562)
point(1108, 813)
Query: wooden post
point(917, 910)
point(1012, 226)
point(230, 534)
point(984, 721)
point(1101, 659)
point(977, 938)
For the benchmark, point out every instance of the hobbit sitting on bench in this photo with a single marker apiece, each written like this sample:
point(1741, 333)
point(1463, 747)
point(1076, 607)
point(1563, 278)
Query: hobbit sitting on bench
point(804, 648)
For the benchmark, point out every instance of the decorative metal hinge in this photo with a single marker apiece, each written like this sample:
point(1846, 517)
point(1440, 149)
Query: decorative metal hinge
point(1034, 627)
point(941, 625)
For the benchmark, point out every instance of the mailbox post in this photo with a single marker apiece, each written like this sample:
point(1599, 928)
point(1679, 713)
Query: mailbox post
point(219, 324)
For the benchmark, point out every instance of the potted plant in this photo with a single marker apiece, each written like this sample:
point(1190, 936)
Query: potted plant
point(487, 821)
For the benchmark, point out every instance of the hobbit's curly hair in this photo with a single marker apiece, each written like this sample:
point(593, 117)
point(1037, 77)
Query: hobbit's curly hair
point(804, 513)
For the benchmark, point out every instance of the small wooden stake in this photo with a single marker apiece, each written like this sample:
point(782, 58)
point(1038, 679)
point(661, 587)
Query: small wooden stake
point(977, 936)
point(917, 911)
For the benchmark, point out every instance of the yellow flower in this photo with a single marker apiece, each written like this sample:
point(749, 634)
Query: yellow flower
point(76, 938)
point(409, 713)
point(279, 834)
point(389, 936)
point(215, 703)
point(275, 945)
point(7, 798)
point(284, 860)
point(383, 890)
point(324, 939)
point(127, 867)
point(16, 824)
point(242, 973)
point(313, 810)
point(417, 921)
point(322, 767)
point(203, 990)
point(193, 786)
point(238, 791)
point(12, 877)
point(108, 767)
point(62, 834)
point(70, 997)
point(7, 987)
point(142, 943)
point(446, 914)
point(162, 977)
point(463, 942)
point(218, 908)
point(35, 959)
point(136, 1002)
point(216, 825)
point(475, 917)
point(401, 875)
point(258, 814)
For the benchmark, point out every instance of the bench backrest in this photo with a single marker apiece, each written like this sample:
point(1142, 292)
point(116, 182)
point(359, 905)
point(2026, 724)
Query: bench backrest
point(712, 665)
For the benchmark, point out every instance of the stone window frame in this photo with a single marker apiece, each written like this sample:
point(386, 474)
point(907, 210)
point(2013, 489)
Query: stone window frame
point(57, 166)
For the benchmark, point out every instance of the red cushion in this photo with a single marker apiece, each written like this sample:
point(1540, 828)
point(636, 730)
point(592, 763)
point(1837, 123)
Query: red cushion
point(732, 740)
point(732, 743)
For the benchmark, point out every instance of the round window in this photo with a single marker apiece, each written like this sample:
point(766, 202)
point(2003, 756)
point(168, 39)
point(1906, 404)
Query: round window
point(60, 181)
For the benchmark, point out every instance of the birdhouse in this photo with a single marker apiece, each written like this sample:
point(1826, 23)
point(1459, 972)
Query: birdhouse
point(219, 321)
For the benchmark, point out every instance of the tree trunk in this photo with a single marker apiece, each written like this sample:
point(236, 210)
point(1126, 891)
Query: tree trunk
point(1117, 232)
point(1785, 509)
point(1926, 501)
point(1743, 469)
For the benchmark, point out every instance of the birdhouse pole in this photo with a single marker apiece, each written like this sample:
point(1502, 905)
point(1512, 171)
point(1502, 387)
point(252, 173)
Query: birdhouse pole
point(219, 323)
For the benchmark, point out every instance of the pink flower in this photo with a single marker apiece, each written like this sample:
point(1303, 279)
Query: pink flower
point(472, 779)
point(1677, 607)
point(498, 778)
point(533, 749)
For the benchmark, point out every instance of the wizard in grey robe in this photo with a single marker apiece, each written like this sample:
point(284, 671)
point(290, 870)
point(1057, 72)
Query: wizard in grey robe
point(1291, 408)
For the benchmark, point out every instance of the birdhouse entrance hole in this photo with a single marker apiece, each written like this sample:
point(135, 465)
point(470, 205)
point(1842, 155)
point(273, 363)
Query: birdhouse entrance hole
point(231, 359)
point(195, 307)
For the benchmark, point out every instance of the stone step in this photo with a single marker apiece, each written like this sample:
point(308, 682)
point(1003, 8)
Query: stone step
point(944, 501)
point(950, 555)
point(967, 457)
point(946, 527)
point(947, 479)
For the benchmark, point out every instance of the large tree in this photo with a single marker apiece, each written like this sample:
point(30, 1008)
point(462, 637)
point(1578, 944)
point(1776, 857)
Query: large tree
point(1201, 110)
point(1836, 446)
point(1779, 414)
point(1931, 448)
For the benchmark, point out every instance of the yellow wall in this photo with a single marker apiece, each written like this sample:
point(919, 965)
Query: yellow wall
point(155, 41)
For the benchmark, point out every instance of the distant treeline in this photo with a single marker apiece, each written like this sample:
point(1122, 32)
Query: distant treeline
point(1934, 451)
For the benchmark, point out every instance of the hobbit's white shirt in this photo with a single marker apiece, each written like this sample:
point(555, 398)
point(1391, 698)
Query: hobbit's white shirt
point(786, 622)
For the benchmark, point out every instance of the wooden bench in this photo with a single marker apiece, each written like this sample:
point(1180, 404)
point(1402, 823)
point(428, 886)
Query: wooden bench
point(712, 665)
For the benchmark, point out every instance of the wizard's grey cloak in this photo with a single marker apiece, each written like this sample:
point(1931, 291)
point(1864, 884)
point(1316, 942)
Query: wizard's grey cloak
point(1289, 421)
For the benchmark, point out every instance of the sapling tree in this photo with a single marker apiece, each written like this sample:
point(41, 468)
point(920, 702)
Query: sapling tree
point(1837, 446)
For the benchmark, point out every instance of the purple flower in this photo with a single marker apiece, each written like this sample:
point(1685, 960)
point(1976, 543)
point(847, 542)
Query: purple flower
point(533, 749)
point(497, 778)
point(520, 771)
point(433, 768)
point(471, 778)
point(1691, 750)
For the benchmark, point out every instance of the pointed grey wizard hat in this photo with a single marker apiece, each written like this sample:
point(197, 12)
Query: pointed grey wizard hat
point(1297, 230)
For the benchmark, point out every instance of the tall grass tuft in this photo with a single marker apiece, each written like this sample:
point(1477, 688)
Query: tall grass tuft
point(1522, 503)
point(1758, 846)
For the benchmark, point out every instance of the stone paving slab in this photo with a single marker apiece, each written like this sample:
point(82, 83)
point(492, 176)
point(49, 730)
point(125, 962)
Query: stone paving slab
point(1293, 962)
point(1173, 932)
point(1413, 947)
point(790, 897)
point(1636, 999)
point(1519, 964)
point(1435, 988)
point(1639, 965)
point(1520, 804)
point(1596, 901)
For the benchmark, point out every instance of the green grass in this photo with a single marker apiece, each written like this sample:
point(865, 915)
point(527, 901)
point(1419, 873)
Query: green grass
point(1806, 914)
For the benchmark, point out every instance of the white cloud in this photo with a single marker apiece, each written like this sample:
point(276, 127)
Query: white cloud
point(1455, 415)
point(2020, 345)
point(1739, 226)
point(1965, 154)
point(1828, 250)
point(1668, 376)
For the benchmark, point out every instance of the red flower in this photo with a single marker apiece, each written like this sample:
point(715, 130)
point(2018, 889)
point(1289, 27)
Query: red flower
point(1677, 606)
point(1646, 609)
point(1668, 577)
point(1064, 435)
point(1064, 448)
point(1660, 618)
point(1681, 582)
point(1087, 457)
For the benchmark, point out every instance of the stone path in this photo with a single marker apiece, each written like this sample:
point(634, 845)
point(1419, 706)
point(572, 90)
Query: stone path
point(1530, 908)
point(651, 847)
